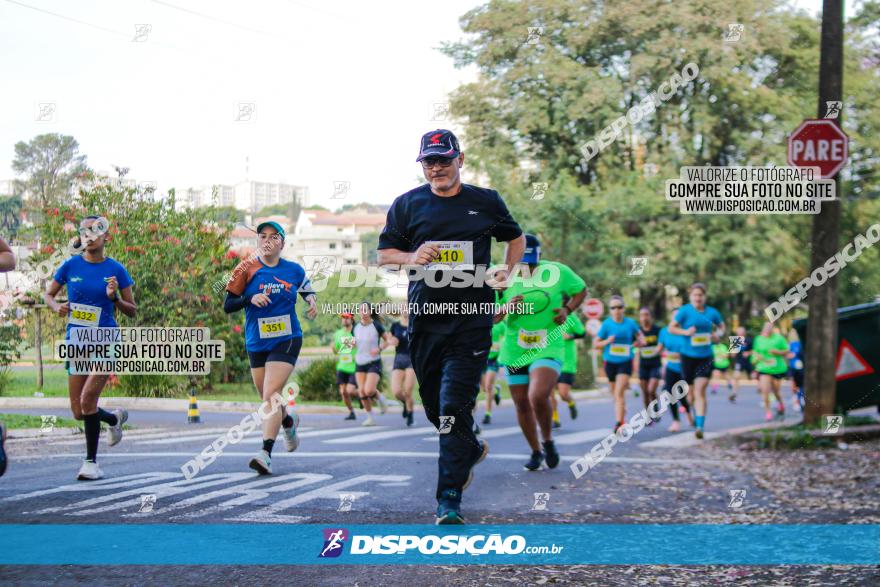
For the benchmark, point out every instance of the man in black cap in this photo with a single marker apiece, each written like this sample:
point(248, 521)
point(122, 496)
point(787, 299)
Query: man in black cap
point(446, 226)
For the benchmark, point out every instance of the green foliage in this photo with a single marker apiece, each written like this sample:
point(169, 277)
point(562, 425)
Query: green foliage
point(226, 214)
point(318, 381)
point(10, 215)
point(272, 210)
point(537, 104)
point(50, 162)
point(9, 352)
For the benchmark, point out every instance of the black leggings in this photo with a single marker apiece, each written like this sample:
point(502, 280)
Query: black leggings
point(669, 380)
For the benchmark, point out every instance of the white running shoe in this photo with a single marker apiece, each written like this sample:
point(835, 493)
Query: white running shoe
point(383, 405)
point(262, 463)
point(89, 472)
point(116, 431)
point(291, 440)
point(368, 421)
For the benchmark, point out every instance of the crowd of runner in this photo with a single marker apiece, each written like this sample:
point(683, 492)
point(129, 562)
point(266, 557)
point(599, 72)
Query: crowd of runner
point(530, 341)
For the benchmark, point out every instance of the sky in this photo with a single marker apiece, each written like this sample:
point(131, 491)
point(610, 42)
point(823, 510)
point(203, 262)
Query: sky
point(184, 91)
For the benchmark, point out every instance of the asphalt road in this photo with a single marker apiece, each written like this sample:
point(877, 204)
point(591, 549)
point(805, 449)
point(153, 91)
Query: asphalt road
point(344, 473)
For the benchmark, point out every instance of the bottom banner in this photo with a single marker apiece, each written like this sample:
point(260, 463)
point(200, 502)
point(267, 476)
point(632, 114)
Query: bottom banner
point(597, 544)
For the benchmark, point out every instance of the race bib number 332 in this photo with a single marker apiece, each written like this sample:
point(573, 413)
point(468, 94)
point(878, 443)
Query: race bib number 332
point(85, 315)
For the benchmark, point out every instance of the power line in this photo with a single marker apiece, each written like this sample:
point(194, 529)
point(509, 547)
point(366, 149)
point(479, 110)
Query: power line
point(71, 19)
point(215, 19)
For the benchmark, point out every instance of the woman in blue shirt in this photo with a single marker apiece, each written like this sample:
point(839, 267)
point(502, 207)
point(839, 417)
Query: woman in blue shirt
point(701, 325)
point(97, 286)
point(616, 337)
point(267, 289)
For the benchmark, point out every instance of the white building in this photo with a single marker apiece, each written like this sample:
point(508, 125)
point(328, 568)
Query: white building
point(327, 234)
point(199, 197)
point(252, 196)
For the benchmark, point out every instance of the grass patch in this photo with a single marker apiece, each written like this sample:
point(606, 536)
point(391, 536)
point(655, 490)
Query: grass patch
point(14, 421)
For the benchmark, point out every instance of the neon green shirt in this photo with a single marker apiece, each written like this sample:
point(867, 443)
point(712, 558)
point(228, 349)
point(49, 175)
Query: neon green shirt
point(722, 360)
point(343, 342)
point(498, 331)
point(534, 336)
point(574, 326)
point(762, 359)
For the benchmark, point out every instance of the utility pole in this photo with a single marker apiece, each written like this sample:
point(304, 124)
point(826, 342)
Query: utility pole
point(821, 345)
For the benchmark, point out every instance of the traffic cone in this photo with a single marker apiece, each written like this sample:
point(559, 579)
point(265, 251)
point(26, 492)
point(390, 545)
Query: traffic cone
point(192, 414)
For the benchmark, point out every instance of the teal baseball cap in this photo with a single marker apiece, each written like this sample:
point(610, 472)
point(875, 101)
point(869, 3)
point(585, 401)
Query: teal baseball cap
point(274, 225)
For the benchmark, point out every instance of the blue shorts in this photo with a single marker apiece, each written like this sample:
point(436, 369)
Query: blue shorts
point(612, 370)
point(520, 375)
point(401, 361)
point(343, 378)
point(649, 371)
point(491, 365)
point(371, 367)
point(566, 378)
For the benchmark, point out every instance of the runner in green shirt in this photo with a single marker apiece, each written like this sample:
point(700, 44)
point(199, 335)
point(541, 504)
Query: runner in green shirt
point(721, 366)
point(769, 350)
point(573, 330)
point(344, 346)
point(533, 350)
point(488, 380)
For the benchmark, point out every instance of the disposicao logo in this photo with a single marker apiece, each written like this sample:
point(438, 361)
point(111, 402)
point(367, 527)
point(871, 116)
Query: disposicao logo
point(334, 542)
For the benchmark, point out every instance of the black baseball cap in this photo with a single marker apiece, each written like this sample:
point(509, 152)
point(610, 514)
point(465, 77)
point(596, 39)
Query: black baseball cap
point(439, 143)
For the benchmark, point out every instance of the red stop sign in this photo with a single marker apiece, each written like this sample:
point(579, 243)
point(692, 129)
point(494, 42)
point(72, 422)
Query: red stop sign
point(593, 308)
point(818, 143)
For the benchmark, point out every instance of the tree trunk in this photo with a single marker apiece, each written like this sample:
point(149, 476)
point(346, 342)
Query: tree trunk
point(821, 346)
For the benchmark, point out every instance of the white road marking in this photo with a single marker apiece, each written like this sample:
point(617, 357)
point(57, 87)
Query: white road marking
point(272, 513)
point(368, 454)
point(680, 440)
point(583, 436)
point(257, 489)
point(131, 497)
point(370, 437)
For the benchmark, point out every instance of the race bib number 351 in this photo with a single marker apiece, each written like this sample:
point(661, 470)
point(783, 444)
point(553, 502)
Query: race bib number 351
point(275, 326)
point(85, 315)
point(453, 255)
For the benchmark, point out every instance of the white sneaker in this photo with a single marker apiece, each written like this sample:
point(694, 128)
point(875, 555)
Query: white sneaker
point(89, 472)
point(291, 440)
point(116, 431)
point(368, 421)
point(262, 463)
point(383, 406)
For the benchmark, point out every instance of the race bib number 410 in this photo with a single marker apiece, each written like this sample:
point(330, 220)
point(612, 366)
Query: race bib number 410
point(453, 255)
point(275, 326)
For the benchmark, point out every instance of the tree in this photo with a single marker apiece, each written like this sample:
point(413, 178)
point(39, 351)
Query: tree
point(273, 210)
point(226, 213)
point(50, 163)
point(10, 215)
point(533, 106)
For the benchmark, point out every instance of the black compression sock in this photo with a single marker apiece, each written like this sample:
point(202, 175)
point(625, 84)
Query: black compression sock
point(287, 421)
point(93, 433)
point(107, 417)
point(267, 445)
